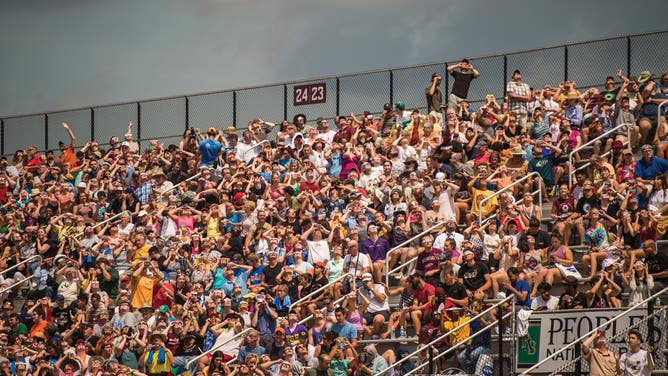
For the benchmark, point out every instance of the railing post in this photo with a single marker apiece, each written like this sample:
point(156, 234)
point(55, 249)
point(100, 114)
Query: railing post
point(338, 92)
point(505, 75)
point(391, 87)
point(431, 360)
point(565, 63)
point(446, 80)
point(628, 56)
point(650, 322)
point(46, 131)
point(234, 108)
point(139, 124)
point(578, 352)
point(2, 136)
point(285, 101)
point(501, 330)
point(92, 124)
point(187, 119)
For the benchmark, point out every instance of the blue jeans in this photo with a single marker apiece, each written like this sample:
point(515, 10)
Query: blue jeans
point(468, 358)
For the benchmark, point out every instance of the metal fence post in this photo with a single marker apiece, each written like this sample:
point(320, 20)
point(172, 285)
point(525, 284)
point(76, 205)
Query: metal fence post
point(139, 124)
point(92, 124)
point(505, 74)
point(565, 63)
point(650, 323)
point(501, 331)
point(338, 92)
point(234, 108)
point(2, 136)
point(578, 352)
point(187, 103)
point(628, 56)
point(46, 131)
point(447, 82)
point(391, 87)
point(285, 101)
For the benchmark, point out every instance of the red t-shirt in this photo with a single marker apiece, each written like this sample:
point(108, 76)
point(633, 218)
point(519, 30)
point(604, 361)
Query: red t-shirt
point(160, 296)
point(424, 294)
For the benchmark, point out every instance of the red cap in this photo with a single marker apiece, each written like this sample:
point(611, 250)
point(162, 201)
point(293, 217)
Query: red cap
point(609, 78)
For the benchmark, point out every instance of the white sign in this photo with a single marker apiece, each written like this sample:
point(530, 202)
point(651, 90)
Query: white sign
point(554, 330)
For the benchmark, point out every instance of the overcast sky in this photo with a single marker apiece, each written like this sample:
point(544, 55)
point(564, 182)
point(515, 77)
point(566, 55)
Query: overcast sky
point(78, 53)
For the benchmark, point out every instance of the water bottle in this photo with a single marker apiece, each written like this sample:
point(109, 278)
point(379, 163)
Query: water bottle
point(657, 302)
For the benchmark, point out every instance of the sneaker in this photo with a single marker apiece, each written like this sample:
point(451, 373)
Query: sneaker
point(398, 276)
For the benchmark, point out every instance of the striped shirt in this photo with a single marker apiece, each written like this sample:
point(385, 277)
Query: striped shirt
point(519, 107)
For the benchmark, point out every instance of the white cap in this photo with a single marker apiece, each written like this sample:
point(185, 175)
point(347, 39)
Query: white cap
point(367, 277)
point(81, 185)
point(125, 143)
point(440, 176)
point(142, 213)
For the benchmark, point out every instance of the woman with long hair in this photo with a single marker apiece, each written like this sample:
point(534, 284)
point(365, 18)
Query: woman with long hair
point(639, 283)
point(556, 253)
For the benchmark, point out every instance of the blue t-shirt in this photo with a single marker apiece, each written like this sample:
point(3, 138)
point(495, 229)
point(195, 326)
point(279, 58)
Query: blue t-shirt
point(209, 150)
point(256, 275)
point(521, 286)
point(346, 330)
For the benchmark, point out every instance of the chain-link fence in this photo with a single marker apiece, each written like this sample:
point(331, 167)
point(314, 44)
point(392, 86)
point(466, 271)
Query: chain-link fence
point(166, 119)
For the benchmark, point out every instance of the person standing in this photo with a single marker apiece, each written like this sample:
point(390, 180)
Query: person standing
point(463, 78)
point(519, 97)
point(602, 361)
point(636, 361)
point(435, 97)
point(209, 149)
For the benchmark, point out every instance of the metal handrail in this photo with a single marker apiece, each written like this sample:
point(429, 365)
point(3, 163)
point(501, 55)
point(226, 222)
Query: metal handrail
point(17, 283)
point(453, 348)
point(588, 334)
point(312, 293)
point(395, 248)
point(197, 175)
point(307, 318)
point(404, 265)
point(21, 263)
point(105, 221)
point(507, 188)
point(440, 338)
point(214, 349)
point(591, 142)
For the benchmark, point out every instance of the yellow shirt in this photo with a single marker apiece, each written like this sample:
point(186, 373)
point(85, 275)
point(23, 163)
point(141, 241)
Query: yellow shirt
point(142, 290)
point(141, 253)
point(212, 228)
point(460, 335)
point(155, 367)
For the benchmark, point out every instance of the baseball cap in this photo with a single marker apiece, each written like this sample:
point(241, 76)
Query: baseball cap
point(387, 106)
point(142, 213)
point(367, 277)
point(211, 130)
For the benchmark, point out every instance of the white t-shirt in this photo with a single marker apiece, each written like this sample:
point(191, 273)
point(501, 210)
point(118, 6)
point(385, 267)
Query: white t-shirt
point(356, 264)
point(447, 202)
point(318, 251)
point(551, 304)
point(439, 242)
point(376, 305)
point(634, 364)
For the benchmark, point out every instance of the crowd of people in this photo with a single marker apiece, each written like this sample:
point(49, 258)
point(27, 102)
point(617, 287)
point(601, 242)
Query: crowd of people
point(266, 248)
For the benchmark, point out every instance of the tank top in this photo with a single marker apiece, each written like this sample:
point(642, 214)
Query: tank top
point(532, 262)
point(318, 334)
point(559, 253)
point(356, 319)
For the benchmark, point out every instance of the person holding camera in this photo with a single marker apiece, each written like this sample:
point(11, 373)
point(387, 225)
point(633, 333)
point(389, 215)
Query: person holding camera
point(463, 78)
point(157, 359)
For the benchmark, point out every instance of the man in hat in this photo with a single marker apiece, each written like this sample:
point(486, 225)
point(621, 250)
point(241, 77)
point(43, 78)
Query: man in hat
point(209, 149)
point(519, 97)
point(157, 359)
point(161, 184)
point(649, 166)
point(462, 82)
point(573, 111)
point(246, 150)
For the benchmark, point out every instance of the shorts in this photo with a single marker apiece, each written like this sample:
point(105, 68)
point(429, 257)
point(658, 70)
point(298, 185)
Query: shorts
point(368, 316)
